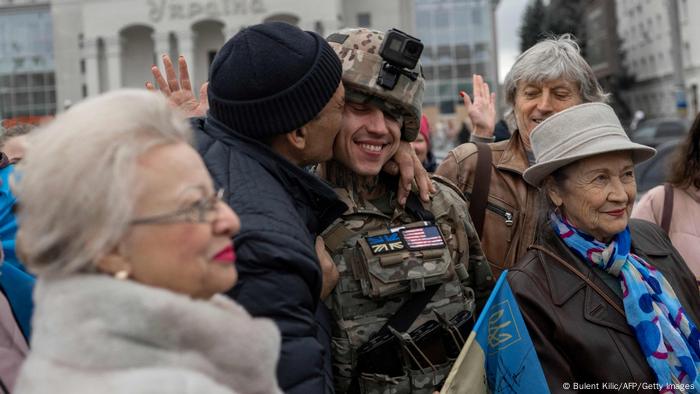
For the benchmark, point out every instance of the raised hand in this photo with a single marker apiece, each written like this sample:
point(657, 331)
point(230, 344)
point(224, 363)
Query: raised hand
point(482, 110)
point(179, 91)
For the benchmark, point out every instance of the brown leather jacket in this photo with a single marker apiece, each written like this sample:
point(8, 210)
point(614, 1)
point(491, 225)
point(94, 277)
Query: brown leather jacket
point(578, 336)
point(511, 215)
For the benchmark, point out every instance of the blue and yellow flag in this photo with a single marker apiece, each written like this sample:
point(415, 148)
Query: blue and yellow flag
point(499, 356)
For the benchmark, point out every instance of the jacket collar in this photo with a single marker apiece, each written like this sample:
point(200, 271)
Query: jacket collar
point(313, 197)
point(514, 157)
point(564, 284)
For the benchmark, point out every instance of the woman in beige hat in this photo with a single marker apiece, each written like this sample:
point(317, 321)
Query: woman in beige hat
point(606, 299)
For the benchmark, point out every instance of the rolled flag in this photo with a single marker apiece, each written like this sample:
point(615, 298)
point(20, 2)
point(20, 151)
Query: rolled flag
point(499, 356)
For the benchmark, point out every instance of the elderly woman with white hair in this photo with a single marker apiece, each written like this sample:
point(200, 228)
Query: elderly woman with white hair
point(547, 78)
point(605, 299)
point(131, 243)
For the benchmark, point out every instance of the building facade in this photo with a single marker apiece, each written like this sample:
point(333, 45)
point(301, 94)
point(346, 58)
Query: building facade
point(644, 30)
point(460, 40)
point(101, 45)
point(27, 71)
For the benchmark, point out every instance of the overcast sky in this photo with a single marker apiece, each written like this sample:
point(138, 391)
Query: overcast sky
point(508, 19)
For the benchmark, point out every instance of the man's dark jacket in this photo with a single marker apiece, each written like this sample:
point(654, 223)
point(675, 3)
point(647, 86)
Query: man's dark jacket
point(282, 208)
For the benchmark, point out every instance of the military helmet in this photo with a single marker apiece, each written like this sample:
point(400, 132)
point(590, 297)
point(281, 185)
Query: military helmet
point(358, 49)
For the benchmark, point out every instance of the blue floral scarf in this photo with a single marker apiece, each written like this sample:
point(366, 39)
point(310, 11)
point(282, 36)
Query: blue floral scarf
point(669, 340)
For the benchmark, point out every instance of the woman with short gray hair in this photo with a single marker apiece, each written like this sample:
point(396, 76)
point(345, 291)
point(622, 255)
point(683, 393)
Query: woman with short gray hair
point(548, 78)
point(606, 299)
point(131, 244)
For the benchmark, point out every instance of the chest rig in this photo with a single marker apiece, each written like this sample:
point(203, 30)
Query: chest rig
point(401, 309)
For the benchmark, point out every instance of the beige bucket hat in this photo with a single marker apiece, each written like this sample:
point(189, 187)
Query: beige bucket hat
point(576, 133)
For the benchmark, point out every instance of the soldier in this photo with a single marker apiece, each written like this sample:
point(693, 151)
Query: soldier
point(411, 280)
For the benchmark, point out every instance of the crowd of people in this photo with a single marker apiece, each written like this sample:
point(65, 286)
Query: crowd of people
point(284, 231)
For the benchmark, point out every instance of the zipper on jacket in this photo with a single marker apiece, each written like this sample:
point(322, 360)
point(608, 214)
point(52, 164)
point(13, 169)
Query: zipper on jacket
point(502, 212)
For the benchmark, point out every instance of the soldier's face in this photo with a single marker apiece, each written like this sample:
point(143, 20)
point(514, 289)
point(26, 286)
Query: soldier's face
point(368, 138)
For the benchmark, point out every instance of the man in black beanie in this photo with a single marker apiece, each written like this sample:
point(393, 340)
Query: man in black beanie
point(276, 105)
point(267, 91)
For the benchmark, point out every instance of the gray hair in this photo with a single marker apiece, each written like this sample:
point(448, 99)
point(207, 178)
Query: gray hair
point(16, 131)
point(551, 59)
point(78, 182)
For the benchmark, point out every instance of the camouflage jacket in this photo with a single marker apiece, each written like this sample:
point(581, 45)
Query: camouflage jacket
point(381, 259)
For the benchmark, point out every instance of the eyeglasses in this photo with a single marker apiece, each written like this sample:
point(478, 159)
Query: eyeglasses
point(202, 211)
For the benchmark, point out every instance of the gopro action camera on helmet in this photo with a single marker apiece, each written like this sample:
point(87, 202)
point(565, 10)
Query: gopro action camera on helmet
point(400, 49)
point(400, 52)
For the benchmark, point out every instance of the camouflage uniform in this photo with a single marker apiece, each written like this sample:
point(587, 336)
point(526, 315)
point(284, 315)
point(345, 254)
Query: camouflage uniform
point(385, 254)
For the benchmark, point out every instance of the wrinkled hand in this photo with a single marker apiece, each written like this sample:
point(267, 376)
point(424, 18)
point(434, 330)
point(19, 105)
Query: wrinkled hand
point(328, 268)
point(179, 92)
point(482, 110)
point(406, 164)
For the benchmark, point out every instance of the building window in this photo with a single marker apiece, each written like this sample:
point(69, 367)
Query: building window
point(363, 19)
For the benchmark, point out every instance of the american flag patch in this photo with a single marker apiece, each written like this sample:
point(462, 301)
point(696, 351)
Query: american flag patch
point(385, 243)
point(427, 237)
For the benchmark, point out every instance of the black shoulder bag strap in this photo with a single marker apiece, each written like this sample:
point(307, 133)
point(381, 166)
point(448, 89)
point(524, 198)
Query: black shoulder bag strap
point(582, 277)
point(667, 212)
point(480, 190)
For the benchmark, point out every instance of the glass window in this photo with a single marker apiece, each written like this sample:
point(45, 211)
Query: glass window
point(464, 70)
point(445, 72)
point(447, 106)
point(38, 98)
point(429, 72)
point(22, 99)
point(445, 89)
point(442, 18)
point(462, 52)
point(363, 19)
point(21, 80)
point(37, 80)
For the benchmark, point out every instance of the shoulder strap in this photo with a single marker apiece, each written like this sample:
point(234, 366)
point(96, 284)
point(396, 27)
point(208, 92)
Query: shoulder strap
point(408, 312)
point(415, 207)
point(582, 277)
point(480, 190)
point(667, 211)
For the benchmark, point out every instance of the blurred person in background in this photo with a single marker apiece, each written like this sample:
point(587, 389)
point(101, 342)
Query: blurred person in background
point(547, 78)
point(13, 342)
point(680, 214)
point(16, 284)
point(605, 298)
point(422, 146)
point(131, 242)
point(13, 141)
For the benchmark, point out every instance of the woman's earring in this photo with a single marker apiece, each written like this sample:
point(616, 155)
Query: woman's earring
point(121, 275)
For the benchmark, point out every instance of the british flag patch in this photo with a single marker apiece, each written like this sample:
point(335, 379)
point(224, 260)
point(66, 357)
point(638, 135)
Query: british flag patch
point(419, 238)
point(385, 243)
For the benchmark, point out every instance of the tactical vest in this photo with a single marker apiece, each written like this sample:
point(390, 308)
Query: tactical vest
point(383, 262)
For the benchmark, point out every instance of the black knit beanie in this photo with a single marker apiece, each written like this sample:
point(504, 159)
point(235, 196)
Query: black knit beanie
point(272, 78)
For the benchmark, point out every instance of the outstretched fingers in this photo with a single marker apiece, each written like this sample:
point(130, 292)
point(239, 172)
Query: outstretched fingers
point(185, 82)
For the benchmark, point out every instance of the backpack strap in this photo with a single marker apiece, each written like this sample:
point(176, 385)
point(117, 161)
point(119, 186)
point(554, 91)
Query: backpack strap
point(482, 183)
point(667, 211)
point(415, 207)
